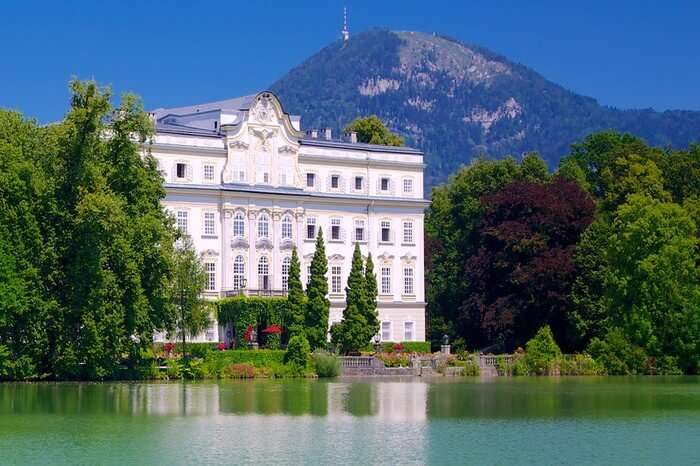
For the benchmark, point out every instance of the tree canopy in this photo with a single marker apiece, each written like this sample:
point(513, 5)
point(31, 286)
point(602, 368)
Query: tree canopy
point(372, 130)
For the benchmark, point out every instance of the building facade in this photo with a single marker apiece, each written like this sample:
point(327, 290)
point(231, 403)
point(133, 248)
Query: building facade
point(248, 186)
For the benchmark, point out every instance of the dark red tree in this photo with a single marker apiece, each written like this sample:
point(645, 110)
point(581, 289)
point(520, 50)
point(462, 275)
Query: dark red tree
point(521, 274)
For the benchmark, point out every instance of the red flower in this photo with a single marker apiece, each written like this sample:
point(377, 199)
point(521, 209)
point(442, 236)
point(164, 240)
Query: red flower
point(221, 346)
point(248, 335)
point(398, 347)
point(274, 328)
point(169, 347)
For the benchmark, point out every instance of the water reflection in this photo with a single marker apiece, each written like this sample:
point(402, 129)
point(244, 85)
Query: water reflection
point(409, 400)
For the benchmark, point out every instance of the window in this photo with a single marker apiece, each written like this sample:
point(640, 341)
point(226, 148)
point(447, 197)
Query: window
point(263, 273)
point(408, 281)
point(263, 226)
point(182, 216)
point(209, 172)
point(384, 184)
point(209, 224)
point(408, 331)
point(210, 334)
point(286, 227)
point(310, 180)
point(181, 170)
point(335, 229)
point(210, 269)
point(408, 232)
point(385, 231)
point(407, 185)
point(311, 228)
point(308, 274)
point(266, 177)
point(335, 181)
point(239, 225)
point(359, 230)
point(283, 179)
point(358, 183)
point(238, 273)
point(386, 280)
point(386, 331)
point(241, 175)
point(336, 284)
point(285, 273)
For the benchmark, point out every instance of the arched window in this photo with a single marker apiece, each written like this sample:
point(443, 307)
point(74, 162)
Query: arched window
point(287, 227)
point(263, 273)
point(238, 273)
point(239, 225)
point(285, 273)
point(263, 226)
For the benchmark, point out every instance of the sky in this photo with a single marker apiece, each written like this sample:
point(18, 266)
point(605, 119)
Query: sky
point(627, 54)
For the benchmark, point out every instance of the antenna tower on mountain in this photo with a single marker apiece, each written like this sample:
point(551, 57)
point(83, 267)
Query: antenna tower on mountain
point(345, 32)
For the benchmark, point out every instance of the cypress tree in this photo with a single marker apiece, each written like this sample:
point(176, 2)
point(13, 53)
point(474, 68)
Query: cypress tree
point(317, 305)
point(350, 334)
point(371, 295)
point(295, 298)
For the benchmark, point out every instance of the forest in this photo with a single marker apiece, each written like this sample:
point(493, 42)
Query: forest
point(604, 251)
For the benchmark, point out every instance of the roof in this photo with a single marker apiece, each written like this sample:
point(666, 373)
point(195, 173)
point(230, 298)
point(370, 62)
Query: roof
point(234, 104)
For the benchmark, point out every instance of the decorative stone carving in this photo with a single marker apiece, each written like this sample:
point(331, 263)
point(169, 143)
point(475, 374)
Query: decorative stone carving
point(228, 213)
point(252, 214)
point(386, 257)
point(287, 244)
point(287, 150)
point(209, 253)
point(263, 110)
point(264, 135)
point(239, 243)
point(238, 145)
point(336, 257)
point(263, 243)
point(408, 257)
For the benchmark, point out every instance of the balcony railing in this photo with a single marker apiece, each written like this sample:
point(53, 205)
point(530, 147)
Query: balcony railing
point(253, 292)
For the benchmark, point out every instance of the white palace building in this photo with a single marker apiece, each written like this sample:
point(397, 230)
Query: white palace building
point(248, 185)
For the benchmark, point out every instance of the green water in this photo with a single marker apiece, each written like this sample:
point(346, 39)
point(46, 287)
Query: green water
point(501, 421)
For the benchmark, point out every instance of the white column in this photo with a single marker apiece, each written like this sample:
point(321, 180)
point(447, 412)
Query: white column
point(252, 263)
point(226, 262)
point(275, 263)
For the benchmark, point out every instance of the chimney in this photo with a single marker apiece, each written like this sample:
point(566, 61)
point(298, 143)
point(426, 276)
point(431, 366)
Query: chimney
point(329, 134)
point(353, 137)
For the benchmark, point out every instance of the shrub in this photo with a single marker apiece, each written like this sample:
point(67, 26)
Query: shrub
point(421, 347)
point(664, 365)
point(542, 353)
point(326, 364)
point(238, 371)
point(580, 364)
point(470, 363)
point(617, 355)
point(394, 359)
point(298, 351)
point(194, 369)
point(272, 341)
point(174, 369)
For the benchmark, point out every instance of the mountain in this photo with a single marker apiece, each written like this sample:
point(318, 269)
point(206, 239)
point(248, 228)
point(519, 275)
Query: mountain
point(458, 101)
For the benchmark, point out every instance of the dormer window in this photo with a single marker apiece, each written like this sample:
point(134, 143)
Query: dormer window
point(335, 181)
point(216, 124)
point(310, 180)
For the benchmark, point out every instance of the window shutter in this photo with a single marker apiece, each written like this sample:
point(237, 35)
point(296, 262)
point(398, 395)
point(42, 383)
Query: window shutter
point(342, 233)
point(188, 172)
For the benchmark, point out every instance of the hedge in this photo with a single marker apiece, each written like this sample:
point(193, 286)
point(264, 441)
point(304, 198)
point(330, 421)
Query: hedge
point(195, 349)
point(242, 311)
point(257, 358)
point(408, 347)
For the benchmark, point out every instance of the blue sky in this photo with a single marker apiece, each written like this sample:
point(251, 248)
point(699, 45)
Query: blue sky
point(630, 54)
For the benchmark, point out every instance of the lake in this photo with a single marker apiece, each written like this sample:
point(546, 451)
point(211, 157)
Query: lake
point(443, 421)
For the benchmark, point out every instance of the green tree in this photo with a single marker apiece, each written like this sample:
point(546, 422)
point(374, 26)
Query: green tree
point(371, 292)
point(353, 332)
point(298, 353)
point(188, 284)
point(542, 352)
point(653, 288)
point(296, 301)
point(372, 130)
point(317, 303)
